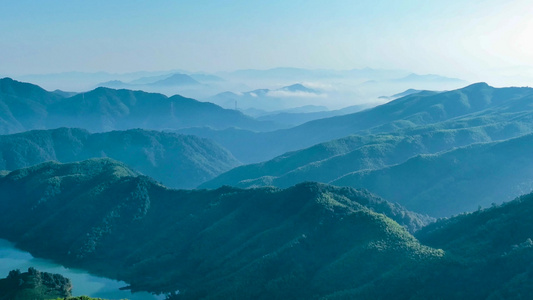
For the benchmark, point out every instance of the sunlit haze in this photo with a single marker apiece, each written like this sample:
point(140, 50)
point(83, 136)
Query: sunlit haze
point(472, 40)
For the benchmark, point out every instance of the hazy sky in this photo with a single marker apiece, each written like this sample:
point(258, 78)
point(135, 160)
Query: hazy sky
point(466, 39)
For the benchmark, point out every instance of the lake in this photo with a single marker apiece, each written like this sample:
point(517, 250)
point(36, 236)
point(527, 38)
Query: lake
point(83, 283)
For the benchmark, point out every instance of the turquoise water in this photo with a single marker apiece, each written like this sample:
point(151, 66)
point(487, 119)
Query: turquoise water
point(83, 283)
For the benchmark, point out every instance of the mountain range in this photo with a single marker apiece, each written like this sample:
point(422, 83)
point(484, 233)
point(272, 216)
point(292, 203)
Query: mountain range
point(309, 241)
point(222, 243)
point(178, 161)
point(171, 80)
point(455, 181)
point(25, 107)
point(475, 103)
point(460, 179)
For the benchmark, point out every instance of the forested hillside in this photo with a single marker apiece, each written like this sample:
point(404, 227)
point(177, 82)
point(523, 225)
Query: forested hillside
point(477, 103)
point(258, 243)
point(308, 241)
point(180, 161)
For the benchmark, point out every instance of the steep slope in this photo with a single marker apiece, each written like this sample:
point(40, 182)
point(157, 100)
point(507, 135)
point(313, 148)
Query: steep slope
point(329, 161)
point(496, 243)
point(176, 160)
point(23, 105)
point(302, 242)
point(419, 109)
point(488, 256)
point(455, 181)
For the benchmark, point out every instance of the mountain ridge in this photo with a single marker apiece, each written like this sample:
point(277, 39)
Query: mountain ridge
point(177, 160)
point(231, 233)
point(414, 110)
point(102, 109)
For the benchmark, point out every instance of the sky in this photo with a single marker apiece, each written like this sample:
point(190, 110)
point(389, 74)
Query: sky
point(473, 40)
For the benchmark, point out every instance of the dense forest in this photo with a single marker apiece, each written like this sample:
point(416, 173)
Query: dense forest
point(308, 241)
point(343, 207)
point(177, 160)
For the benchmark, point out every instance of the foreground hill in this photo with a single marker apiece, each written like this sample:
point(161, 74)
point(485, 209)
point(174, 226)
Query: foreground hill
point(302, 242)
point(455, 181)
point(414, 110)
point(310, 241)
point(497, 243)
point(25, 106)
point(176, 160)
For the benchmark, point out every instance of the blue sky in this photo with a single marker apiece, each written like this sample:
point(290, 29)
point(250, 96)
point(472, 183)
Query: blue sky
point(453, 38)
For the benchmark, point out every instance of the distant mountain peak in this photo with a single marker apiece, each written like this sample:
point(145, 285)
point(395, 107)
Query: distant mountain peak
point(177, 79)
point(478, 85)
point(298, 87)
point(428, 77)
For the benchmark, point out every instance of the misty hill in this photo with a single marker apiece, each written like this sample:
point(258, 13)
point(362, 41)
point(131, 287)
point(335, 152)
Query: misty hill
point(417, 81)
point(64, 94)
point(479, 101)
point(299, 74)
point(114, 84)
point(402, 94)
point(428, 77)
point(171, 83)
point(107, 109)
point(326, 162)
point(168, 80)
point(297, 118)
point(25, 106)
point(176, 80)
point(298, 87)
point(179, 161)
point(206, 78)
point(303, 242)
point(455, 181)
point(268, 99)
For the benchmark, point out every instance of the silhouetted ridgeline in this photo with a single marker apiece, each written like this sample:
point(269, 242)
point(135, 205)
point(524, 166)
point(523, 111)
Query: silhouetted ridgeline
point(24, 106)
point(176, 160)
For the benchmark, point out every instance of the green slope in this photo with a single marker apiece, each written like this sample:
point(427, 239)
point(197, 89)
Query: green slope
point(302, 242)
point(175, 160)
point(495, 243)
point(329, 161)
point(408, 112)
point(455, 181)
